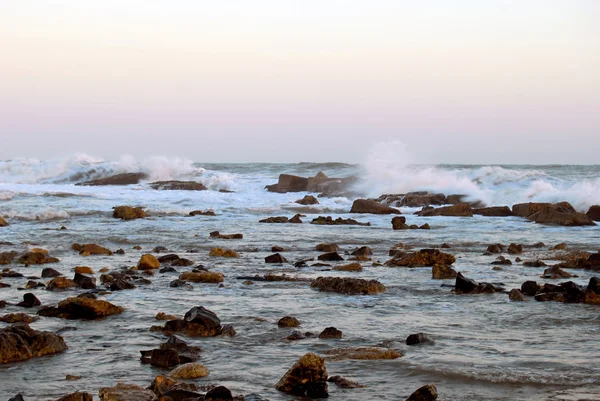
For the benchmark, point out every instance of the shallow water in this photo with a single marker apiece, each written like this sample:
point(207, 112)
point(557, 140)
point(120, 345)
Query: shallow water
point(486, 347)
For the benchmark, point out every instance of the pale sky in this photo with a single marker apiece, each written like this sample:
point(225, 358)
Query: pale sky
point(461, 81)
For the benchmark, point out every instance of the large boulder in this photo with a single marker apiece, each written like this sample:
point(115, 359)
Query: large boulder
point(594, 212)
point(422, 258)
point(128, 212)
point(495, 211)
point(289, 183)
point(20, 342)
point(118, 179)
point(527, 209)
point(347, 285)
point(413, 199)
point(77, 396)
point(442, 272)
point(307, 377)
point(36, 258)
point(148, 262)
point(192, 370)
point(425, 393)
point(466, 285)
point(202, 277)
point(126, 392)
point(329, 221)
point(81, 308)
point(562, 217)
point(308, 200)
point(197, 322)
point(91, 249)
point(178, 186)
point(372, 207)
point(461, 210)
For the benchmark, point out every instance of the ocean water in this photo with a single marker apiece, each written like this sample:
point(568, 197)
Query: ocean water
point(486, 347)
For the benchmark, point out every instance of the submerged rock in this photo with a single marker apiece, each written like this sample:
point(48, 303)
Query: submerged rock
point(418, 338)
point(329, 221)
point(422, 258)
point(361, 353)
point(118, 179)
point(425, 393)
point(331, 333)
point(125, 392)
point(192, 370)
point(351, 286)
point(368, 206)
point(308, 200)
point(20, 342)
point(178, 186)
point(307, 377)
point(128, 213)
point(91, 249)
point(81, 308)
point(217, 234)
point(36, 258)
point(197, 322)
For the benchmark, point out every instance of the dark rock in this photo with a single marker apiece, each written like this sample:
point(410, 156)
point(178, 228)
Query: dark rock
point(501, 261)
point(419, 338)
point(17, 397)
point(307, 377)
point(308, 200)
point(329, 221)
point(168, 258)
point(422, 258)
point(348, 285)
point(216, 234)
point(167, 269)
point(296, 219)
point(342, 382)
point(295, 335)
point(362, 251)
point(182, 262)
point(515, 249)
point(545, 213)
point(496, 211)
point(425, 393)
point(331, 333)
point(495, 248)
point(219, 393)
point(178, 186)
point(118, 179)
point(84, 281)
point(461, 210)
point(594, 212)
point(278, 219)
point(555, 272)
point(121, 284)
point(180, 283)
point(594, 285)
point(399, 223)
point(289, 183)
point(288, 321)
point(77, 396)
point(276, 248)
point(275, 258)
point(327, 248)
point(120, 251)
point(330, 257)
point(371, 207)
point(19, 342)
point(466, 285)
point(81, 308)
point(29, 301)
point(162, 358)
point(202, 213)
point(516, 295)
point(530, 288)
point(534, 263)
point(442, 272)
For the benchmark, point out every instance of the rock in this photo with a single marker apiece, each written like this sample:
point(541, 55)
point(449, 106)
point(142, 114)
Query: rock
point(118, 179)
point(425, 393)
point(216, 234)
point(352, 267)
point(545, 213)
point(348, 285)
point(501, 260)
point(83, 270)
point(528, 209)
point(329, 221)
point(327, 248)
point(371, 207)
point(279, 219)
point(81, 308)
point(35, 258)
point(161, 358)
point(91, 249)
point(72, 377)
point(594, 212)
point(178, 186)
point(555, 272)
point(276, 248)
point(496, 211)
point(516, 295)
point(330, 333)
point(3, 223)
point(594, 285)
point(29, 301)
point(18, 318)
point(495, 248)
point(534, 263)
point(413, 199)
point(121, 284)
point(275, 258)
point(180, 283)
point(307, 377)
point(77, 396)
point(342, 382)
point(515, 249)
point(288, 321)
point(224, 253)
point(19, 342)
point(530, 288)
point(330, 257)
point(419, 338)
point(289, 183)
point(182, 262)
point(167, 259)
point(202, 277)
point(442, 272)
point(128, 213)
point(202, 213)
point(295, 335)
point(361, 353)
point(362, 251)
point(164, 316)
point(422, 258)
point(60, 283)
point(17, 397)
point(148, 262)
point(308, 200)
point(296, 219)
point(84, 281)
point(6, 258)
point(125, 392)
point(399, 223)
point(219, 393)
point(192, 370)
point(466, 285)
point(462, 210)
point(197, 322)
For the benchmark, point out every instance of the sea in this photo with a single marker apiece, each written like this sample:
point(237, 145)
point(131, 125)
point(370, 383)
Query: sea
point(486, 346)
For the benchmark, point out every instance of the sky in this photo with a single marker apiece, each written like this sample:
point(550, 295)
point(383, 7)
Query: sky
point(462, 81)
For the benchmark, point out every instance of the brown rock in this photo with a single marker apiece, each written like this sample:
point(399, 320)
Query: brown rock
point(278, 219)
point(91, 249)
point(594, 212)
point(289, 183)
point(29, 301)
point(527, 209)
point(425, 393)
point(288, 321)
point(81, 308)
point(3, 223)
point(125, 392)
point(422, 258)
point(330, 257)
point(361, 353)
point(352, 267)
point(19, 342)
point(216, 234)
point(164, 316)
point(399, 223)
point(442, 272)
point(35, 258)
point(308, 200)
point(6, 258)
point(148, 262)
point(495, 248)
point(192, 370)
point(327, 248)
point(83, 270)
point(307, 377)
point(178, 186)
point(496, 211)
point(371, 207)
point(60, 283)
point(462, 209)
point(77, 396)
point(202, 277)
point(202, 213)
point(516, 295)
point(559, 247)
point(342, 382)
point(128, 212)
point(296, 219)
point(18, 318)
point(330, 333)
point(555, 272)
point(348, 285)
point(275, 258)
point(219, 393)
point(118, 179)
point(515, 249)
point(224, 253)
point(329, 221)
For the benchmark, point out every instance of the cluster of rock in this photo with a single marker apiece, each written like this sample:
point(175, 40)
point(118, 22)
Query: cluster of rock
point(547, 213)
point(319, 183)
point(171, 353)
point(197, 322)
point(567, 292)
point(399, 223)
point(282, 219)
point(329, 221)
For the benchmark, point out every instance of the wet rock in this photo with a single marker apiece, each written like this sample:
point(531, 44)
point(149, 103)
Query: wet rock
point(223, 253)
point(35, 258)
point(18, 318)
point(275, 258)
point(19, 342)
point(164, 316)
point(288, 321)
point(307, 377)
point(202, 277)
point(128, 213)
point(329, 221)
point(148, 262)
point(342, 382)
point(77, 396)
point(29, 301)
point(172, 353)
point(289, 183)
point(425, 227)
point(425, 393)
point(515, 249)
point(81, 308)
point(72, 377)
point(167, 269)
point(496, 211)
point(568, 292)
point(192, 370)
point(530, 288)
point(125, 392)
point(399, 223)
point(546, 213)
point(3, 223)
point(352, 267)
point(296, 219)
point(362, 251)
point(84, 281)
point(217, 234)
point(352, 286)
point(308, 200)
point(461, 210)
point(178, 186)
point(466, 285)
point(168, 258)
point(276, 248)
point(60, 283)
point(495, 248)
point(371, 207)
point(594, 212)
point(330, 257)
point(516, 295)
point(197, 322)
point(594, 285)
point(91, 249)
point(295, 336)
point(413, 199)
point(83, 270)
point(327, 248)
point(534, 263)
point(361, 353)
point(219, 393)
point(180, 284)
point(278, 219)
point(418, 338)
point(121, 284)
point(556, 272)
point(17, 397)
point(422, 258)
point(442, 272)
point(6, 258)
point(202, 213)
point(330, 333)
point(118, 179)
point(501, 260)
